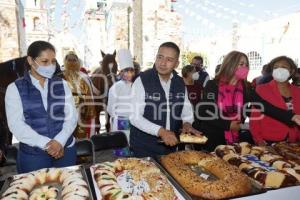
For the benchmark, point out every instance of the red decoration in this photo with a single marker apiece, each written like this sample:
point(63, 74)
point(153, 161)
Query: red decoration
point(23, 22)
point(172, 8)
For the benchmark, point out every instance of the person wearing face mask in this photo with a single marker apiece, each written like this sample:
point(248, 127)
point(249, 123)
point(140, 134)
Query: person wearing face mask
point(41, 113)
point(81, 88)
point(201, 77)
point(189, 76)
point(118, 105)
point(224, 103)
point(265, 77)
point(282, 94)
point(228, 93)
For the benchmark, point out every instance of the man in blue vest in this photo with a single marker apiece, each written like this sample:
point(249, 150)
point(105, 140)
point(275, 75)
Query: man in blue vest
point(161, 106)
point(201, 77)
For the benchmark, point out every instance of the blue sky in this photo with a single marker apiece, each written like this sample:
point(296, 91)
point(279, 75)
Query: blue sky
point(208, 17)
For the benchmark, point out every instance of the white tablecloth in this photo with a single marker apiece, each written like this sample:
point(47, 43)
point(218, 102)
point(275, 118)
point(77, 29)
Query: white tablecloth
point(289, 193)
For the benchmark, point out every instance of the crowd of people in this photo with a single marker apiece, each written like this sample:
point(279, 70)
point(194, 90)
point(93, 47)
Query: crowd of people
point(48, 110)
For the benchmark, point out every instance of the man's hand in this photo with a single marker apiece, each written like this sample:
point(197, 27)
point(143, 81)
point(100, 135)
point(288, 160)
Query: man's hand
point(168, 137)
point(55, 149)
point(296, 119)
point(60, 154)
point(188, 128)
point(235, 125)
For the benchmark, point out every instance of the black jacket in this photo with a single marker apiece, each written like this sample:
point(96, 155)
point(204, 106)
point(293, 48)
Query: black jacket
point(214, 128)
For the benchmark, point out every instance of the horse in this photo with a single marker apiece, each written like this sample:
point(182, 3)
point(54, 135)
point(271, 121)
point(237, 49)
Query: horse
point(10, 71)
point(103, 78)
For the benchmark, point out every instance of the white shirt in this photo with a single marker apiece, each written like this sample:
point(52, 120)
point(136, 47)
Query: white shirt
point(138, 102)
point(205, 81)
point(22, 131)
point(119, 100)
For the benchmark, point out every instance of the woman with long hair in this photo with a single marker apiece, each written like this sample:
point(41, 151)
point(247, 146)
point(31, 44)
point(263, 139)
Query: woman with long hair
point(225, 102)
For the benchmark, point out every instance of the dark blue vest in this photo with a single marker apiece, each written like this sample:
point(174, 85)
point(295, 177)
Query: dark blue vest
point(45, 122)
point(155, 111)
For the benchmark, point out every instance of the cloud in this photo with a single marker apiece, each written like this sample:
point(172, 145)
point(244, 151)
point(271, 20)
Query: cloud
point(211, 11)
point(198, 17)
point(218, 15)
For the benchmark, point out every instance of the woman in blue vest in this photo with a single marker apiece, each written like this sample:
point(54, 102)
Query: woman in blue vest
point(41, 113)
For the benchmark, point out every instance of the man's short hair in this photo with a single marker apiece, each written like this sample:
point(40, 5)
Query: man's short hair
point(171, 45)
point(198, 58)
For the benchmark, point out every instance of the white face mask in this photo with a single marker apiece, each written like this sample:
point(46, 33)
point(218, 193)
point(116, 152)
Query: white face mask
point(281, 74)
point(45, 71)
point(195, 76)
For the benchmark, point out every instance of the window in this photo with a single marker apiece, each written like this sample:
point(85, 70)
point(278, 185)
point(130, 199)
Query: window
point(255, 60)
point(36, 24)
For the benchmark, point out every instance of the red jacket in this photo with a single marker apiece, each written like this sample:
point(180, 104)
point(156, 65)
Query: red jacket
point(268, 128)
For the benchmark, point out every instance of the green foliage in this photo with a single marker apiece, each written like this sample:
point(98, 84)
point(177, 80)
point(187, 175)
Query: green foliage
point(187, 57)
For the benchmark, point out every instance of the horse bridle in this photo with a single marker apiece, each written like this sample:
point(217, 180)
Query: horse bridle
point(15, 68)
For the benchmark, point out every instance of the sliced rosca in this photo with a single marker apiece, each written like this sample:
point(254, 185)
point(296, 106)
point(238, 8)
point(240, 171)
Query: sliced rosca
point(191, 138)
point(230, 181)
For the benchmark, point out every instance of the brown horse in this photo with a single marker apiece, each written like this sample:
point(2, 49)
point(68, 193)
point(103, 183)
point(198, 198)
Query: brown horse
point(103, 78)
point(9, 72)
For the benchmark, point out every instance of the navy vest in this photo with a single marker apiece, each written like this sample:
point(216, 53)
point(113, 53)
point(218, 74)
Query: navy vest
point(45, 122)
point(155, 111)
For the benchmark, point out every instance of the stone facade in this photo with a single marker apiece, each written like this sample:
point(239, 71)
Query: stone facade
point(142, 26)
point(11, 33)
point(159, 24)
point(36, 21)
point(95, 37)
point(137, 30)
point(117, 24)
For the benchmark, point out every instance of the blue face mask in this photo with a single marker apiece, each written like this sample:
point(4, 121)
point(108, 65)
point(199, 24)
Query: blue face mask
point(45, 71)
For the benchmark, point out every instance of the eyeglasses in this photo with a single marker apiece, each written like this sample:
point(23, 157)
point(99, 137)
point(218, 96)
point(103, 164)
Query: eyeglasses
point(197, 64)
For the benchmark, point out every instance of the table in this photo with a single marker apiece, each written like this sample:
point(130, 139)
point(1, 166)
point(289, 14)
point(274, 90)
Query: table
point(289, 193)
